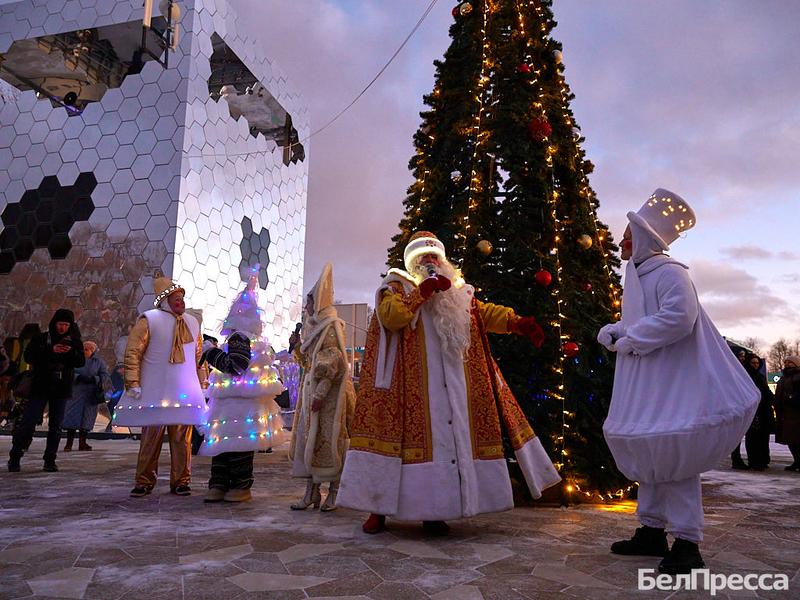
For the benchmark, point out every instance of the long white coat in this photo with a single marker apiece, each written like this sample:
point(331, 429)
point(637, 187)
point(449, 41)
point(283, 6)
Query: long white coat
point(681, 401)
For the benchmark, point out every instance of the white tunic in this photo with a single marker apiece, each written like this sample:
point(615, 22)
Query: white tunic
point(171, 393)
point(682, 401)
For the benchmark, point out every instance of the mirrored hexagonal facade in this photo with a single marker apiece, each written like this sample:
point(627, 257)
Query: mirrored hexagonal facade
point(179, 177)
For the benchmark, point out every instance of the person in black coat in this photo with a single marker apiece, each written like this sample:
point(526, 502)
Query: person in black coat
point(756, 441)
point(53, 355)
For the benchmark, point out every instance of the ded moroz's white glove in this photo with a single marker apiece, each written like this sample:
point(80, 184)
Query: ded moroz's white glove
point(134, 392)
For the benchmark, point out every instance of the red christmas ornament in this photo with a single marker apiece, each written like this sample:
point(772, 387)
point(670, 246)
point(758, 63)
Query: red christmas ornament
point(543, 277)
point(539, 128)
point(570, 349)
point(587, 287)
point(523, 68)
point(455, 11)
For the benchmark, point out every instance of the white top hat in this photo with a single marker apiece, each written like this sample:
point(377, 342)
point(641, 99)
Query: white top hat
point(665, 216)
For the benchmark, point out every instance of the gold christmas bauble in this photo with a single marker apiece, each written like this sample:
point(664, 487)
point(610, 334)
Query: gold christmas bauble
point(465, 9)
point(484, 247)
point(585, 241)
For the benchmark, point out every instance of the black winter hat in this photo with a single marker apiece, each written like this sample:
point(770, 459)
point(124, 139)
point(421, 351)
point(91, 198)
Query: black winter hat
point(63, 314)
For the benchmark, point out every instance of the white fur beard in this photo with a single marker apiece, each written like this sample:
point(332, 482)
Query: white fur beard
point(450, 311)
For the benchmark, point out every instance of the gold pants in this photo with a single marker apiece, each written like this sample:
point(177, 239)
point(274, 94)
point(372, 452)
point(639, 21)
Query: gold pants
point(180, 455)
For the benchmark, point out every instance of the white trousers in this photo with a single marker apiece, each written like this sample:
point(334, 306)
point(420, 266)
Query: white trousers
point(676, 506)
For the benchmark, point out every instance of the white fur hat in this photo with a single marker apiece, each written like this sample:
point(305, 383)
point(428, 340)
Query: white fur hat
point(665, 216)
point(422, 242)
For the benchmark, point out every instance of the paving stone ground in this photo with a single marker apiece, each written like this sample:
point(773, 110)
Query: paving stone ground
point(77, 534)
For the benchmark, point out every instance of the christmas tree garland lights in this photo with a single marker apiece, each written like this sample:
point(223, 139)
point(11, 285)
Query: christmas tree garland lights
point(474, 179)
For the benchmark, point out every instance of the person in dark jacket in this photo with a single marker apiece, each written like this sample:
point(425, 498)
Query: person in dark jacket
point(88, 392)
point(756, 440)
point(737, 462)
point(53, 355)
point(787, 409)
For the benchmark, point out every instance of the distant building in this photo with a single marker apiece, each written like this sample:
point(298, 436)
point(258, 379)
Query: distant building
point(356, 318)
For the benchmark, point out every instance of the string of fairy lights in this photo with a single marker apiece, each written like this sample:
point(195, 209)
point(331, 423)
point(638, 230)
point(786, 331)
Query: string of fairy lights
point(585, 191)
point(552, 196)
point(474, 178)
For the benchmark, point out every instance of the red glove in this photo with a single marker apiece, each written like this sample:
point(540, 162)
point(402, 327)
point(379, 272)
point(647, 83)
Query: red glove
point(433, 284)
point(428, 287)
point(528, 327)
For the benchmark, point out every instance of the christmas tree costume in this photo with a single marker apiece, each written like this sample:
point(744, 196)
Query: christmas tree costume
point(433, 409)
point(681, 399)
point(163, 387)
point(243, 415)
point(327, 398)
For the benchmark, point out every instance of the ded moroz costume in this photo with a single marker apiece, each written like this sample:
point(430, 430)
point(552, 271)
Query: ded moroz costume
point(433, 408)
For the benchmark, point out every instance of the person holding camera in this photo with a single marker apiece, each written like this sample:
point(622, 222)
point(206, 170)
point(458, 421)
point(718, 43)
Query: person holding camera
point(53, 355)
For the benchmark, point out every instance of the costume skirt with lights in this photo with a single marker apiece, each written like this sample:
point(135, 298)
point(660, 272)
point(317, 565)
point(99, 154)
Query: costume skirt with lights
point(243, 414)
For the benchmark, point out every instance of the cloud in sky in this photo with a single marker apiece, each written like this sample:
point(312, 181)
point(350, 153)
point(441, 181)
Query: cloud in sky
point(749, 252)
point(699, 97)
point(734, 298)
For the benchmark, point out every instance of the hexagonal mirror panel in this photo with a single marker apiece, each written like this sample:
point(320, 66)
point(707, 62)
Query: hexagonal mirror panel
point(76, 68)
point(43, 218)
point(246, 97)
point(255, 251)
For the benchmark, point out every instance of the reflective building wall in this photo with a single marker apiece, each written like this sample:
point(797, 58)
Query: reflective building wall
point(112, 166)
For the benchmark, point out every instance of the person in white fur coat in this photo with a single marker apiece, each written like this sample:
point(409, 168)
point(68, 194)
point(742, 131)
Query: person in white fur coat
point(681, 400)
point(243, 415)
point(324, 409)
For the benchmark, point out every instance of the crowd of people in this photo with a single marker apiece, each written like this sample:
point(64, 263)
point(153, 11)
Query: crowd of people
point(424, 437)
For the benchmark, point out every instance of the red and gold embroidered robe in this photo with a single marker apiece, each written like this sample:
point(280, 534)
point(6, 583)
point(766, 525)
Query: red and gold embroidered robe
point(426, 443)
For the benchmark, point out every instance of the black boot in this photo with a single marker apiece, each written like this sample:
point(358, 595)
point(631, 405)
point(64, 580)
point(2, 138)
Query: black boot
point(70, 439)
point(13, 464)
point(682, 558)
point(646, 541)
point(437, 528)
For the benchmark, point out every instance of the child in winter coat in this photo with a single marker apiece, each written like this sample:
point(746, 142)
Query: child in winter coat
point(243, 415)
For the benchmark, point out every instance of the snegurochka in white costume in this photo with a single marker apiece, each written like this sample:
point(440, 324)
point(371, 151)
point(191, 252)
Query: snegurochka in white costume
point(325, 406)
point(681, 399)
point(243, 416)
point(164, 387)
point(427, 436)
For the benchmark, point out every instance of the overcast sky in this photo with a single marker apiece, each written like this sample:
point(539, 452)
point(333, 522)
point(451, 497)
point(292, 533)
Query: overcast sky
point(699, 97)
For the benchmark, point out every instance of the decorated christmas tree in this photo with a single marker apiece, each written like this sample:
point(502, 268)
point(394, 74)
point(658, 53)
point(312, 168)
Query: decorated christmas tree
point(502, 180)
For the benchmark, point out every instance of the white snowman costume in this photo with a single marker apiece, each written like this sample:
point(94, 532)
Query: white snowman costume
point(681, 399)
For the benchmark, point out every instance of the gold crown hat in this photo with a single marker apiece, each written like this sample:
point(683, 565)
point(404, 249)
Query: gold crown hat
point(163, 287)
point(665, 216)
point(422, 242)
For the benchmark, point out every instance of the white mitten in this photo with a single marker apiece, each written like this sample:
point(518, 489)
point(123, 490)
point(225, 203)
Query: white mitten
point(134, 392)
point(608, 334)
point(624, 345)
point(207, 345)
